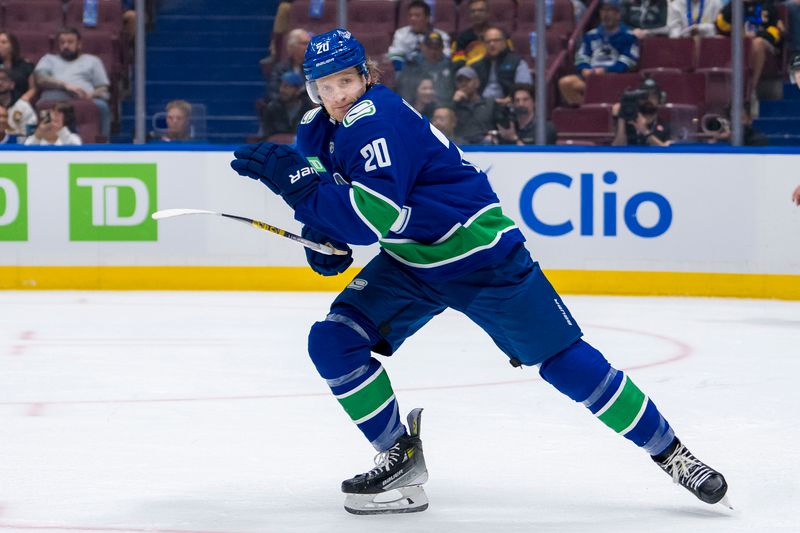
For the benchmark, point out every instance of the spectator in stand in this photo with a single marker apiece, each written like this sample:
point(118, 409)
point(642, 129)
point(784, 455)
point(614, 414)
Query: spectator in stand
point(761, 24)
point(475, 114)
point(793, 37)
point(643, 127)
point(280, 26)
point(518, 124)
point(6, 137)
point(646, 18)
point(296, 43)
point(468, 46)
point(500, 68)
point(56, 127)
point(407, 41)
point(73, 74)
point(432, 64)
point(794, 69)
point(607, 49)
point(179, 122)
point(750, 135)
point(283, 114)
point(128, 22)
point(20, 70)
point(19, 113)
point(693, 18)
point(425, 98)
point(444, 118)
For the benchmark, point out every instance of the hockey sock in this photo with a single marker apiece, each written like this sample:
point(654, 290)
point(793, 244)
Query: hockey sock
point(340, 349)
point(582, 373)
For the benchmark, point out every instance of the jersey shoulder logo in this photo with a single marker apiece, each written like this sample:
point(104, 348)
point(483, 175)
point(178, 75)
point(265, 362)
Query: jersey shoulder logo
point(309, 116)
point(358, 111)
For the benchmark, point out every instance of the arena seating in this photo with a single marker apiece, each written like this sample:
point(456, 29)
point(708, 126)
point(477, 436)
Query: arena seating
point(663, 53)
point(109, 17)
point(45, 16)
point(300, 17)
point(562, 24)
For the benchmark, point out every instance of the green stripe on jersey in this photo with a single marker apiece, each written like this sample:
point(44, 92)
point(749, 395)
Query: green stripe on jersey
point(377, 211)
point(483, 231)
point(366, 400)
point(623, 409)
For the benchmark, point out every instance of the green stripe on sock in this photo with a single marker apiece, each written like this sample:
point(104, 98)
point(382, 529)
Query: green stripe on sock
point(626, 406)
point(367, 399)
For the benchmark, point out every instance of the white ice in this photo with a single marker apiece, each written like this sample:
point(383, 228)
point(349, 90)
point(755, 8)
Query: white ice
point(189, 412)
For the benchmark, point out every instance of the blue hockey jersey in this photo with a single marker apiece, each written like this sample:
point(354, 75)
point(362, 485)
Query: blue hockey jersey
point(616, 52)
point(389, 176)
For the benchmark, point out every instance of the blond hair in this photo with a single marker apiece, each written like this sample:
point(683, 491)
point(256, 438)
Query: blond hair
point(181, 105)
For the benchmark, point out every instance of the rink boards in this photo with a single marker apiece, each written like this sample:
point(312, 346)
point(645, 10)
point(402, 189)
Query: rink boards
point(600, 221)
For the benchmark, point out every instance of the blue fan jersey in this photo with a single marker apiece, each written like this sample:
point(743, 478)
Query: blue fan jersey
point(390, 176)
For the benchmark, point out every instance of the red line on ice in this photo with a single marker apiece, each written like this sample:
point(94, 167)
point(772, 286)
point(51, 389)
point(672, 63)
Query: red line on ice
point(683, 351)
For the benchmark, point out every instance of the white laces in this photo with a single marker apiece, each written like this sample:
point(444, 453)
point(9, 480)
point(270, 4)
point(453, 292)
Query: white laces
point(686, 469)
point(385, 460)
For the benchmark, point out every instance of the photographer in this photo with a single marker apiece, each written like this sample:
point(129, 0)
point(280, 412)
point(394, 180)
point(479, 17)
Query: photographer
point(637, 118)
point(516, 123)
point(719, 128)
point(55, 127)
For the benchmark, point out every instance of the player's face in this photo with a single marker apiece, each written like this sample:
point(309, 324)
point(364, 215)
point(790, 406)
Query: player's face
point(339, 91)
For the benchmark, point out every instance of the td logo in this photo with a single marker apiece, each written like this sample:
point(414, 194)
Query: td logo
point(13, 202)
point(112, 202)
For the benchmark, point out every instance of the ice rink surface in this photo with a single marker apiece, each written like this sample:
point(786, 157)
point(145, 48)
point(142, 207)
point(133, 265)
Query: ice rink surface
point(189, 412)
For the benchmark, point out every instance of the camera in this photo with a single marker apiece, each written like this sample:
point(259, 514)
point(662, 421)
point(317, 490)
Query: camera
point(629, 103)
point(714, 124)
point(505, 115)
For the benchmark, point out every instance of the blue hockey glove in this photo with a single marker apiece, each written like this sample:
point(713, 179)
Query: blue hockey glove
point(326, 265)
point(279, 167)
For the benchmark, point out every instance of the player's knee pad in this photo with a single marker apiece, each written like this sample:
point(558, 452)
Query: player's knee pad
point(337, 346)
point(576, 371)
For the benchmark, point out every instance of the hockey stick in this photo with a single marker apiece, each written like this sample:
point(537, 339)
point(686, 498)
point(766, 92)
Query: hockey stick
point(317, 247)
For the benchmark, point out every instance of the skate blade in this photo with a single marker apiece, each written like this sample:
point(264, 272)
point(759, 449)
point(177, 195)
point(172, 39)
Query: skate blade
point(725, 502)
point(401, 500)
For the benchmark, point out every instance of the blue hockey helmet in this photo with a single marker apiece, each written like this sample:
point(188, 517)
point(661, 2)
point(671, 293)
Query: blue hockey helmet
point(331, 52)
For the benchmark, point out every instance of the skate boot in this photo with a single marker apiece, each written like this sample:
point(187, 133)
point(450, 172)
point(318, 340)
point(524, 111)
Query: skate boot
point(395, 484)
point(697, 477)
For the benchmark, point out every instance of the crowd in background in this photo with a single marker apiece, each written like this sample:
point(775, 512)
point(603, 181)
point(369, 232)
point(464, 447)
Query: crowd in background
point(477, 85)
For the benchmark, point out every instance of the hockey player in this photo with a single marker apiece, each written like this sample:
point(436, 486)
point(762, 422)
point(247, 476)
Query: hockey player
point(369, 168)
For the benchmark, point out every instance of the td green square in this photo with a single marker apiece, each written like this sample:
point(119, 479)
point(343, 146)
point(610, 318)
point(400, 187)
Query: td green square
point(13, 202)
point(112, 202)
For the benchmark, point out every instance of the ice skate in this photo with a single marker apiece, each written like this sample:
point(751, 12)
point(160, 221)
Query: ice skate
point(395, 484)
point(697, 477)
